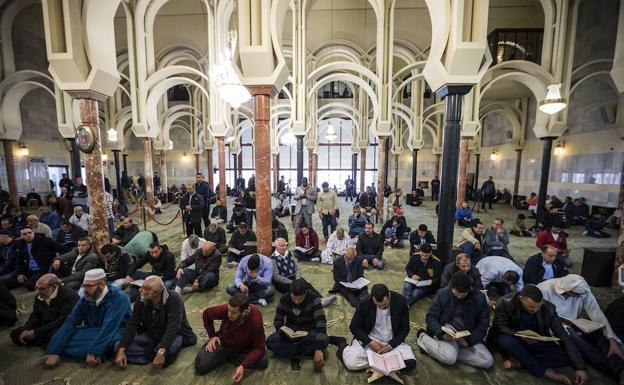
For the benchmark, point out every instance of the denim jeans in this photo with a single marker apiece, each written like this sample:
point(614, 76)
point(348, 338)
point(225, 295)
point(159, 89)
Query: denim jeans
point(412, 293)
point(328, 221)
point(370, 258)
point(286, 348)
point(255, 293)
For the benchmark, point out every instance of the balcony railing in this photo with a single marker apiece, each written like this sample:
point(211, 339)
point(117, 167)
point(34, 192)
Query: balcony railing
point(516, 44)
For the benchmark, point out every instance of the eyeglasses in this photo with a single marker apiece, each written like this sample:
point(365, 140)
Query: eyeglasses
point(89, 286)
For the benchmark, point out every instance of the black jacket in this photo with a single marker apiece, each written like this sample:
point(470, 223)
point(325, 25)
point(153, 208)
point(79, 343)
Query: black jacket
point(203, 264)
point(340, 271)
point(432, 270)
point(219, 212)
point(126, 234)
point(507, 321)
point(46, 319)
point(118, 267)
point(373, 245)
point(402, 229)
point(452, 268)
point(165, 266)
point(475, 314)
point(414, 240)
point(363, 320)
point(43, 251)
point(366, 200)
point(8, 257)
point(76, 233)
point(534, 271)
point(162, 321)
point(197, 205)
point(237, 240)
point(218, 237)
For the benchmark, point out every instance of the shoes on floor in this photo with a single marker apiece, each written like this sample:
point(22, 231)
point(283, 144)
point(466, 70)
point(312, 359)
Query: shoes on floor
point(315, 259)
point(328, 301)
point(337, 341)
point(262, 302)
point(232, 264)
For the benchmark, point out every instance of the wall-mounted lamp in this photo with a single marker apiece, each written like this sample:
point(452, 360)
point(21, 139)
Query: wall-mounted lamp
point(559, 149)
point(185, 158)
point(104, 157)
point(553, 102)
point(494, 155)
point(112, 135)
point(22, 150)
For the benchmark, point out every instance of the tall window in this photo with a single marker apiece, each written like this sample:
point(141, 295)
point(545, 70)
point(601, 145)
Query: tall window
point(516, 44)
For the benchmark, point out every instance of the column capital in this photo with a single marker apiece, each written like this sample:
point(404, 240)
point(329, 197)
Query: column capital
point(85, 94)
point(263, 90)
point(453, 89)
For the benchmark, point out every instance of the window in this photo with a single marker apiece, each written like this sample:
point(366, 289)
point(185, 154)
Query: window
point(578, 178)
point(516, 44)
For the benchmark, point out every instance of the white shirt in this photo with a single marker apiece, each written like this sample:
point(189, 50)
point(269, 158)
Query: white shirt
point(83, 222)
point(572, 307)
point(382, 331)
point(338, 246)
point(186, 250)
point(493, 268)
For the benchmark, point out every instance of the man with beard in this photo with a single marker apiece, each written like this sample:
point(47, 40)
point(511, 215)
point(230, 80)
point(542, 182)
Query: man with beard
point(305, 196)
point(95, 324)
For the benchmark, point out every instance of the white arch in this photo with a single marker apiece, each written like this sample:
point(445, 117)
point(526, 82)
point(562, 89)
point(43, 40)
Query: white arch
point(11, 117)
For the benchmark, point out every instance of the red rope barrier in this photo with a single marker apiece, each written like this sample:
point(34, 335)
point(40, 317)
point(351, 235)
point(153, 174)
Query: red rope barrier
point(153, 217)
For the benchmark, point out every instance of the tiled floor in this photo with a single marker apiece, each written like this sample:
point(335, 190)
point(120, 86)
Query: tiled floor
point(22, 366)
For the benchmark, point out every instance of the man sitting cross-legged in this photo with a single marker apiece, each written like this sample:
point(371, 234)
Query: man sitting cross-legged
point(163, 265)
point(286, 270)
point(370, 246)
point(348, 268)
point(240, 236)
point(572, 296)
point(253, 278)
point(52, 305)
point(464, 308)
point(336, 245)
point(157, 329)
point(422, 267)
point(307, 239)
point(301, 310)
point(72, 266)
point(527, 310)
point(381, 324)
point(94, 325)
point(240, 339)
point(462, 263)
point(205, 275)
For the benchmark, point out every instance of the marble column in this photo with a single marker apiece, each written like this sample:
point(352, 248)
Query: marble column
point(477, 164)
point(222, 182)
point(311, 167)
point(464, 155)
point(518, 168)
point(9, 163)
point(162, 165)
point(619, 253)
point(275, 171)
point(119, 194)
point(382, 167)
point(543, 186)
point(262, 114)
point(414, 169)
point(437, 165)
point(210, 175)
point(76, 169)
point(299, 159)
point(149, 172)
point(196, 163)
point(363, 170)
point(396, 172)
point(89, 116)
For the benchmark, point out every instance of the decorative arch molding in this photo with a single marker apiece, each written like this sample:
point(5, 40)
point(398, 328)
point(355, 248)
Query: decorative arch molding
point(9, 14)
point(511, 113)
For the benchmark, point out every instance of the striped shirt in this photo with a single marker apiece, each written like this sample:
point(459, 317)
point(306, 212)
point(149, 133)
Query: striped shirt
point(309, 315)
point(109, 204)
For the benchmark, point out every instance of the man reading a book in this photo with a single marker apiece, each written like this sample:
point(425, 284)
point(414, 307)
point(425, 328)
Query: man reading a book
point(528, 311)
point(601, 348)
point(253, 278)
point(370, 246)
point(300, 311)
point(381, 324)
point(422, 266)
point(348, 268)
point(458, 309)
point(236, 245)
point(307, 243)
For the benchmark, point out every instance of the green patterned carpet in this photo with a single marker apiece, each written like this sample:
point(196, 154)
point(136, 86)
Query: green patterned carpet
point(21, 366)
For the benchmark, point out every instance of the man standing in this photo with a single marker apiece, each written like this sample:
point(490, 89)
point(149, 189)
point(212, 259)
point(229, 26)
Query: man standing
point(349, 187)
point(95, 324)
point(435, 188)
point(305, 195)
point(381, 324)
point(157, 329)
point(327, 206)
point(544, 266)
point(281, 186)
point(253, 278)
point(192, 205)
point(240, 339)
point(488, 192)
point(205, 275)
point(72, 266)
point(370, 246)
point(50, 308)
point(156, 183)
point(463, 308)
point(66, 182)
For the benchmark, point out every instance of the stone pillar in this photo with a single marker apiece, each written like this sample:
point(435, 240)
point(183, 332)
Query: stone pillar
point(125, 163)
point(476, 180)
point(448, 186)
point(437, 165)
point(210, 175)
point(386, 163)
point(196, 163)
point(362, 170)
point(354, 162)
point(240, 162)
point(311, 167)
point(414, 169)
point(9, 163)
point(162, 166)
point(382, 167)
point(120, 196)
point(464, 156)
point(76, 170)
point(275, 171)
point(89, 116)
point(543, 186)
point(149, 172)
point(517, 176)
point(262, 114)
point(619, 253)
point(396, 172)
point(222, 183)
point(299, 159)
point(235, 170)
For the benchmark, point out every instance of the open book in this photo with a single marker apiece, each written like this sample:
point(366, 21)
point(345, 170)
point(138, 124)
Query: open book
point(584, 325)
point(249, 244)
point(385, 363)
point(451, 331)
point(303, 249)
point(422, 283)
point(291, 334)
point(357, 284)
point(235, 251)
point(530, 334)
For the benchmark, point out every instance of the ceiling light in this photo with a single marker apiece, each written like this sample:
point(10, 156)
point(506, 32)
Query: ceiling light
point(112, 135)
point(104, 157)
point(185, 158)
point(330, 133)
point(225, 79)
point(22, 150)
point(559, 149)
point(494, 155)
point(553, 102)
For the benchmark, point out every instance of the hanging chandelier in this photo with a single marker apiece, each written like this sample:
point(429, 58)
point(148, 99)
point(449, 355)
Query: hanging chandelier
point(225, 80)
point(112, 135)
point(330, 132)
point(553, 102)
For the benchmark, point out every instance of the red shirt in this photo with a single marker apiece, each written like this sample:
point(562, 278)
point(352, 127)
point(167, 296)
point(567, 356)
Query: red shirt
point(546, 238)
point(248, 337)
point(300, 239)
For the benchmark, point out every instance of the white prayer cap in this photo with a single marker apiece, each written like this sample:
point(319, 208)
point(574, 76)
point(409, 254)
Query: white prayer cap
point(571, 283)
point(95, 275)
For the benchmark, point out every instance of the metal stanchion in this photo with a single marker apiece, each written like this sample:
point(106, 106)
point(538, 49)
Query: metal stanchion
point(183, 236)
point(143, 214)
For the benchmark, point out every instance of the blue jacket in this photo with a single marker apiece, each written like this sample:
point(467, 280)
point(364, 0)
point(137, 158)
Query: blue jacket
point(475, 314)
point(463, 213)
point(8, 257)
point(356, 225)
point(265, 272)
point(203, 188)
point(51, 219)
